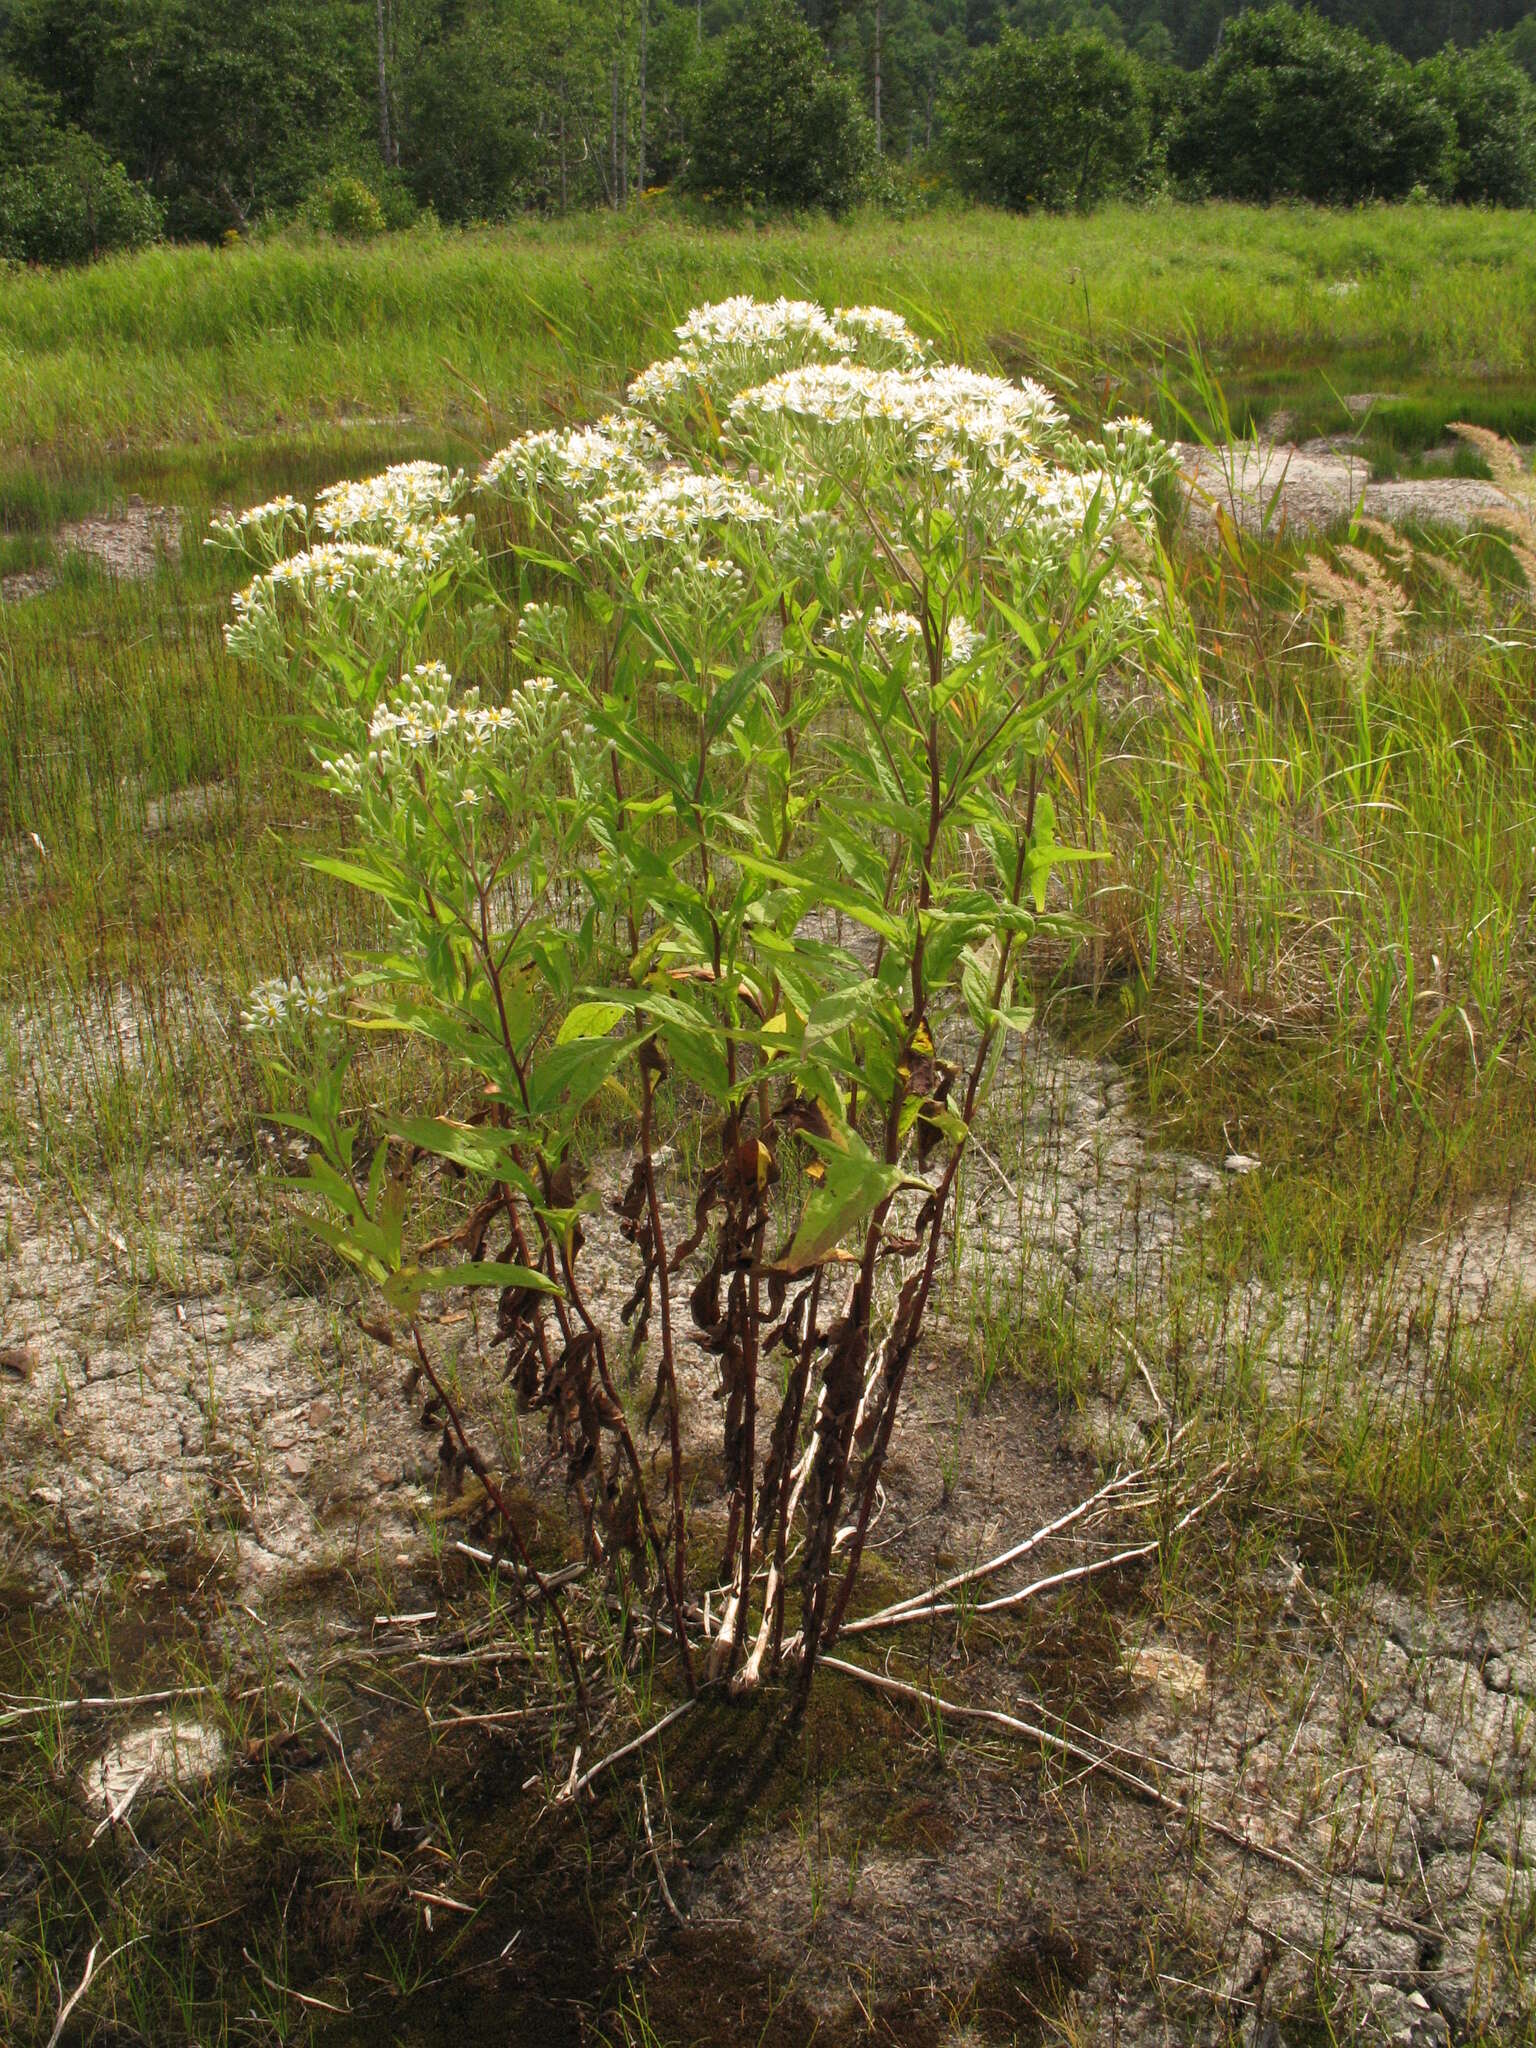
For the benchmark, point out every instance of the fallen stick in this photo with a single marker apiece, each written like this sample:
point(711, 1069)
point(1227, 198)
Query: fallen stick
point(617, 1756)
point(287, 1990)
point(491, 1720)
point(74, 1997)
point(443, 1899)
point(661, 1875)
point(1004, 1558)
point(117, 1809)
point(1094, 1760)
point(1006, 1600)
point(552, 1581)
point(21, 1708)
point(895, 1617)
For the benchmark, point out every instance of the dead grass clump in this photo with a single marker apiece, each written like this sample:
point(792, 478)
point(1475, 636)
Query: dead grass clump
point(1505, 462)
point(1515, 522)
point(1371, 606)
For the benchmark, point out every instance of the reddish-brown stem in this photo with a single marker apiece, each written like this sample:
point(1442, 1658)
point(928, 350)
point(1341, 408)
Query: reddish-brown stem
point(668, 1359)
point(626, 1439)
point(795, 1403)
point(909, 1336)
point(498, 1500)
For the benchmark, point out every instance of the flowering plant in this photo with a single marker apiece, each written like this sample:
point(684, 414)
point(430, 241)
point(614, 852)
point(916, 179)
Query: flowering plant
point(740, 800)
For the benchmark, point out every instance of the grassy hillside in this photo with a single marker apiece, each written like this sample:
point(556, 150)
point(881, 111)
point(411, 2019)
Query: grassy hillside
point(183, 344)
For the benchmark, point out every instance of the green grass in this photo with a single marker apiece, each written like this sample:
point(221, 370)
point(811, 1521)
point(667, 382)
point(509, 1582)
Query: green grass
point(183, 345)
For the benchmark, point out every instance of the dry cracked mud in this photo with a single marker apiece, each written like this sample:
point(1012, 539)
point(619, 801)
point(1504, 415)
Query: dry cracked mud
point(1278, 486)
point(1347, 1820)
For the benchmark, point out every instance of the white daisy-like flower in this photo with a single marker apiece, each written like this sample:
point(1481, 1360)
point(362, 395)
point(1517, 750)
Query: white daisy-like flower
point(310, 1000)
point(266, 1007)
point(961, 641)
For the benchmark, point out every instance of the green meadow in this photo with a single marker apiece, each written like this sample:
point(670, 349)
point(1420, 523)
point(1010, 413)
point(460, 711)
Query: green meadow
point(1306, 943)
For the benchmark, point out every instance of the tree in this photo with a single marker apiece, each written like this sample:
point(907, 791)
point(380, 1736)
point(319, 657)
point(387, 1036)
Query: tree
point(1057, 123)
point(1520, 45)
point(1493, 105)
point(225, 108)
point(1291, 107)
point(62, 196)
point(772, 121)
point(469, 146)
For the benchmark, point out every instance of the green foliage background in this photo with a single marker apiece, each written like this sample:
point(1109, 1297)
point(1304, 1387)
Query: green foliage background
point(125, 119)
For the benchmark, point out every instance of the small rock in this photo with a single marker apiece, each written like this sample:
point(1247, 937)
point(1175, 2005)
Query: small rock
point(1241, 1162)
point(18, 1361)
point(1168, 1669)
point(163, 1753)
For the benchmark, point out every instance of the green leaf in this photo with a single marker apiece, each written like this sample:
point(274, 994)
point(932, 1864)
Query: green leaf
point(733, 694)
point(1017, 1017)
point(864, 910)
point(479, 1148)
point(976, 978)
point(865, 1000)
point(590, 1020)
point(856, 1183)
point(569, 1076)
point(371, 880)
point(482, 1273)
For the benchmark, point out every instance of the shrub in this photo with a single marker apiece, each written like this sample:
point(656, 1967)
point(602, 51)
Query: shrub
point(1493, 105)
point(73, 204)
point(1060, 122)
point(751, 829)
point(1291, 107)
point(772, 122)
point(345, 206)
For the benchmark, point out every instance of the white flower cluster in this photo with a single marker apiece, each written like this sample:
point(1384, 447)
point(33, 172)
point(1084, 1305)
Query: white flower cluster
point(963, 405)
point(362, 576)
point(1127, 598)
point(422, 720)
point(271, 1004)
point(961, 641)
point(263, 524)
point(709, 579)
point(1000, 452)
point(674, 509)
point(544, 627)
point(618, 449)
point(885, 628)
point(401, 501)
point(422, 731)
point(893, 629)
point(880, 323)
point(1133, 444)
point(739, 340)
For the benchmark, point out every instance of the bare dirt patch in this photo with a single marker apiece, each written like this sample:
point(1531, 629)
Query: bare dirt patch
point(130, 543)
point(1280, 487)
point(1350, 1827)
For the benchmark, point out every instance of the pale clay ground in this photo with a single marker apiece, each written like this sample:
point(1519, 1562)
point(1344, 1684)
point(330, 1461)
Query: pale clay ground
point(129, 542)
point(1386, 1753)
point(1277, 486)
